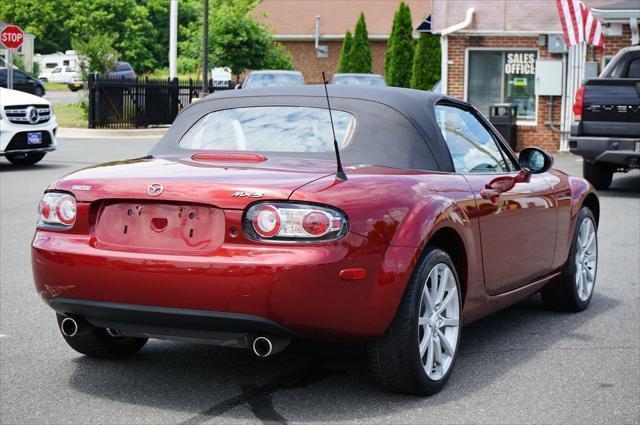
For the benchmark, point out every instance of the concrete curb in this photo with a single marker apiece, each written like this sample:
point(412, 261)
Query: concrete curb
point(91, 133)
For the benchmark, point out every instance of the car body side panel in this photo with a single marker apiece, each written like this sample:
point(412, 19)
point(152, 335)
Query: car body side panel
point(518, 232)
point(404, 211)
point(571, 193)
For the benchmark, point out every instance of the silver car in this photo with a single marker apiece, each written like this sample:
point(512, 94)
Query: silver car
point(358, 79)
point(260, 79)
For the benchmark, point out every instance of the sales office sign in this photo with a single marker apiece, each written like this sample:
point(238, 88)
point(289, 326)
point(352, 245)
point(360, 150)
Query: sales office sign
point(520, 63)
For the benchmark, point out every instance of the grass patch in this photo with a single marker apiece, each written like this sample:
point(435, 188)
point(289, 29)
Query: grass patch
point(49, 86)
point(70, 115)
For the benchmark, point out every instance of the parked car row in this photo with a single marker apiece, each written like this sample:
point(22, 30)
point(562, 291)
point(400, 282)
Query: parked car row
point(28, 84)
point(275, 78)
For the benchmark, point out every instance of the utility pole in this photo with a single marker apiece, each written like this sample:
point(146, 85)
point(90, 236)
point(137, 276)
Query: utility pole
point(173, 40)
point(205, 50)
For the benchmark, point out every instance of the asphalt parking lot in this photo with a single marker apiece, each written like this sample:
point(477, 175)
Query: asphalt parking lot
point(65, 96)
point(522, 365)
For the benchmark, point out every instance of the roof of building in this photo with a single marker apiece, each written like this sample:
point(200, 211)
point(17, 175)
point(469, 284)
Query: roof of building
point(296, 19)
point(499, 16)
point(623, 5)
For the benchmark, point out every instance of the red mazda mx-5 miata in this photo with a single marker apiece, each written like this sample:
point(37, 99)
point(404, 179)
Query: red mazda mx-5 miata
point(241, 228)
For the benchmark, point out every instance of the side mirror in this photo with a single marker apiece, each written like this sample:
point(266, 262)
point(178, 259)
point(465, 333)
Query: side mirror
point(535, 160)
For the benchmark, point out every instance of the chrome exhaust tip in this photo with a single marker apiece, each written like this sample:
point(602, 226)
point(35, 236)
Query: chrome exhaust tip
point(114, 333)
point(69, 327)
point(262, 346)
point(265, 346)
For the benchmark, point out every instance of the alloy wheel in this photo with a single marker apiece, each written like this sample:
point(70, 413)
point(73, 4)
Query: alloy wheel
point(586, 259)
point(438, 321)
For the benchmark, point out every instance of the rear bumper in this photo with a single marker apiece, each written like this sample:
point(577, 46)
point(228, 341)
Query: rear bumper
point(619, 151)
point(239, 288)
point(168, 322)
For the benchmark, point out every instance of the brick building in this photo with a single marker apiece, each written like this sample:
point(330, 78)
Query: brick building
point(298, 23)
point(491, 50)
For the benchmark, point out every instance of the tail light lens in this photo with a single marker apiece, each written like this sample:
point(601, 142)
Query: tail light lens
point(291, 222)
point(57, 211)
point(578, 103)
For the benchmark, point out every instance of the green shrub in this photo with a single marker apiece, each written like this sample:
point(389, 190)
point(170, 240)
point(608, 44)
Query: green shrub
point(426, 62)
point(360, 51)
point(343, 65)
point(402, 50)
point(389, 53)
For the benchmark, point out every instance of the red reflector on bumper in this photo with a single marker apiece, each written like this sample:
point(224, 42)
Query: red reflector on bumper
point(353, 274)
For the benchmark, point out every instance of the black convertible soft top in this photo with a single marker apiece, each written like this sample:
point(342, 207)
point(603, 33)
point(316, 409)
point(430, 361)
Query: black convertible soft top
point(396, 127)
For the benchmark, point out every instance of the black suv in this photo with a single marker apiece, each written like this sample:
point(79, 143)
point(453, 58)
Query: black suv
point(22, 82)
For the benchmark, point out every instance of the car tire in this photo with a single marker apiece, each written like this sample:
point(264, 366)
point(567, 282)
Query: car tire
point(39, 91)
point(97, 342)
point(573, 290)
point(25, 158)
point(398, 360)
point(599, 174)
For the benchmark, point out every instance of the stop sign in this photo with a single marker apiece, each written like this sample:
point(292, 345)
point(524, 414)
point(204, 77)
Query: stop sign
point(12, 37)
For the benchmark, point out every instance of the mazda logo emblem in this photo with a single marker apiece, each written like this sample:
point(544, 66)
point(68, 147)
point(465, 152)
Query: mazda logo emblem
point(32, 115)
point(155, 189)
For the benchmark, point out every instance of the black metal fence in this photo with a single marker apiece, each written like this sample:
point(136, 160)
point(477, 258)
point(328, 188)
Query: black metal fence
point(142, 102)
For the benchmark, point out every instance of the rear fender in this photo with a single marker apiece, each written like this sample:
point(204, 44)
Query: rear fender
point(414, 234)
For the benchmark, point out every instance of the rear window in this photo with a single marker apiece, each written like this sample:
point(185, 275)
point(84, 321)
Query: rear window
point(270, 129)
point(273, 80)
point(349, 80)
point(122, 66)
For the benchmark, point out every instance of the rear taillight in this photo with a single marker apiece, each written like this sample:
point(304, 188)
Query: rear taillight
point(577, 104)
point(57, 211)
point(284, 221)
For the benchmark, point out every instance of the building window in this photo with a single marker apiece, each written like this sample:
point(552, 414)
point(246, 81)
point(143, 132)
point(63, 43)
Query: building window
point(503, 76)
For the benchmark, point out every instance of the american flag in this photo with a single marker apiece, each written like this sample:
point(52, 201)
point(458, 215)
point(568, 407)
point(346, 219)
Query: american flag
point(579, 24)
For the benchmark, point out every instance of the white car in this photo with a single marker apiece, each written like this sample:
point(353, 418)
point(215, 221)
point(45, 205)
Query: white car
point(27, 127)
point(59, 74)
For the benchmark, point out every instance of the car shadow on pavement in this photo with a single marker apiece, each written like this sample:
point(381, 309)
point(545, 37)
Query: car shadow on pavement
point(623, 186)
point(209, 382)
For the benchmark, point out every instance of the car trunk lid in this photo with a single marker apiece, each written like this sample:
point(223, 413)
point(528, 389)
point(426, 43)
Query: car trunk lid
point(227, 185)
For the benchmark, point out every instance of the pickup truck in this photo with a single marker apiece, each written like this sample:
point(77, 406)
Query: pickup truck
point(607, 128)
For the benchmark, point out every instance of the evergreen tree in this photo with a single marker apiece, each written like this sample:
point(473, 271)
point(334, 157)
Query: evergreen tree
point(402, 50)
point(426, 62)
point(360, 51)
point(388, 55)
point(343, 66)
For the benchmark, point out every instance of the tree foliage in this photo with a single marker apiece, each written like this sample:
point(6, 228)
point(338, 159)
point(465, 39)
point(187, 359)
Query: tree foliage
point(426, 62)
point(125, 21)
point(45, 21)
point(97, 51)
point(343, 65)
point(139, 31)
point(278, 57)
point(388, 53)
point(400, 57)
point(360, 51)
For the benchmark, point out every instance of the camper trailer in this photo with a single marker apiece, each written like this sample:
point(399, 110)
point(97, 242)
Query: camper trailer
point(58, 67)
